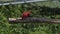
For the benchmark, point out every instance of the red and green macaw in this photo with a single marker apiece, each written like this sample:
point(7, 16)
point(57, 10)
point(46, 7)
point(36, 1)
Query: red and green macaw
point(26, 14)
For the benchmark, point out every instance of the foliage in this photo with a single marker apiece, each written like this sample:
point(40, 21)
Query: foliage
point(24, 28)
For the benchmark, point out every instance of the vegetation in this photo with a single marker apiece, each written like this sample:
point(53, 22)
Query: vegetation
point(30, 28)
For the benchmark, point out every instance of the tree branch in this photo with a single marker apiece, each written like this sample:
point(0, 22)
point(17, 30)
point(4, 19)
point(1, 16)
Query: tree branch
point(33, 20)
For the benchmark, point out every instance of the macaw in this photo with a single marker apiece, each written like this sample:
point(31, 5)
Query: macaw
point(26, 14)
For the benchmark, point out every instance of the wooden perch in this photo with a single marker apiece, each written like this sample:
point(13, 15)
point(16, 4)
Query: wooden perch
point(33, 20)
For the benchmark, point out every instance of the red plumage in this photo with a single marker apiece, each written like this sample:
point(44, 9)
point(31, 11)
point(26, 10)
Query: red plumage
point(26, 14)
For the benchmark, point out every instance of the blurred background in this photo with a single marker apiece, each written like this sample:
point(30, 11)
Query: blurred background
point(43, 8)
